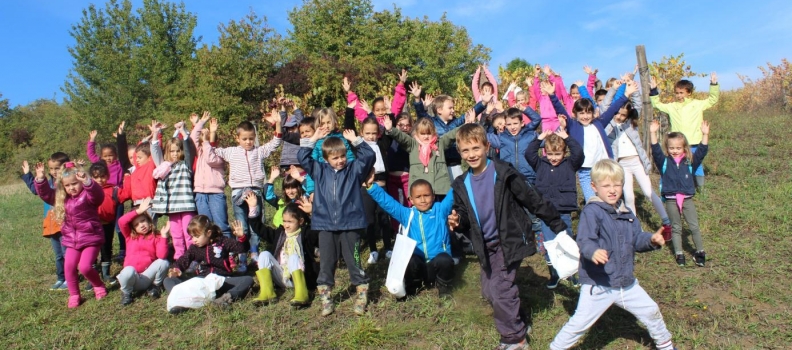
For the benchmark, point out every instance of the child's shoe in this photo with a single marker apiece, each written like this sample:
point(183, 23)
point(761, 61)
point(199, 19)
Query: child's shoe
point(388, 254)
point(59, 286)
point(361, 300)
point(242, 267)
point(553, 282)
point(667, 232)
point(323, 292)
point(444, 289)
point(700, 257)
point(253, 257)
point(100, 292)
point(120, 257)
point(523, 345)
point(680, 259)
point(223, 301)
point(155, 291)
point(300, 289)
point(75, 301)
point(106, 276)
point(266, 288)
point(89, 287)
point(126, 298)
point(373, 257)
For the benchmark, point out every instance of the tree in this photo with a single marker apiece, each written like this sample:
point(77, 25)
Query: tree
point(668, 71)
point(515, 72)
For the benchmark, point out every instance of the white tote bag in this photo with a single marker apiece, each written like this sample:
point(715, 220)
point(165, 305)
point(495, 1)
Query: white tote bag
point(564, 254)
point(195, 292)
point(403, 250)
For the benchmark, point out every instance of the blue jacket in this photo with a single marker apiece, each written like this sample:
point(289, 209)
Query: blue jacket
point(557, 184)
point(317, 148)
point(451, 154)
point(29, 179)
point(337, 202)
point(575, 129)
point(619, 233)
point(677, 178)
point(512, 147)
point(427, 228)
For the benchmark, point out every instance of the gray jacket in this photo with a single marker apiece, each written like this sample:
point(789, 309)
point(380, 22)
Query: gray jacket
point(614, 130)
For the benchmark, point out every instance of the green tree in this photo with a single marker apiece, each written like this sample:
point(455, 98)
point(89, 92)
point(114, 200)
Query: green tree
point(515, 72)
point(668, 71)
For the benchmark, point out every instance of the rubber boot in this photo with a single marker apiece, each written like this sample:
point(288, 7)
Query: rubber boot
point(323, 292)
point(106, 276)
point(361, 300)
point(266, 288)
point(300, 288)
point(553, 282)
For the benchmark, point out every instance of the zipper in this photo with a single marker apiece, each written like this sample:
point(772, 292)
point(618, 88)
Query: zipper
point(335, 198)
point(247, 160)
point(423, 238)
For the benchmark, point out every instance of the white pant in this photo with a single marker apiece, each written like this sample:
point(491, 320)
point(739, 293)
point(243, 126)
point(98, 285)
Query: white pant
point(267, 261)
point(633, 167)
point(595, 300)
point(131, 281)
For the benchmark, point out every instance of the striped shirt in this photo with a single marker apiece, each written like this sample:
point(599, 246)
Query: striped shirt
point(175, 193)
point(246, 167)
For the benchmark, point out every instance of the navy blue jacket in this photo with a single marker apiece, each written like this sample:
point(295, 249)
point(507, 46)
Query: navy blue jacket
point(557, 184)
point(677, 178)
point(575, 129)
point(511, 148)
point(619, 233)
point(337, 204)
point(451, 153)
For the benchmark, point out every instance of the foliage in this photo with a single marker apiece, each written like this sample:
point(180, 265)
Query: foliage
point(668, 71)
point(772, 91)
point(517, 70)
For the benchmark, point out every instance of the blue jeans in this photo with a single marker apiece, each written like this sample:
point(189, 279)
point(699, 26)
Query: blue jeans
point(584, 176)
point(214, 206)
point(700, 170)
point(60, 251)
point(549, 235)
point(241, 214)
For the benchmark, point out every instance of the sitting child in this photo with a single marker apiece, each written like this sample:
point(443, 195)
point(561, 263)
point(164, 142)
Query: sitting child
point(144, 265)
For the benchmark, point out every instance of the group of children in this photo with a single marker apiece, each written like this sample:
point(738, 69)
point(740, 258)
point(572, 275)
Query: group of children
point(341, 184)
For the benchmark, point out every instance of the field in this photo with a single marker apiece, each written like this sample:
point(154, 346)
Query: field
point(741, 300)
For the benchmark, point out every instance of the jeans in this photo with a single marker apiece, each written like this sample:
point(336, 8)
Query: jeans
point(214, 206)
point(549, 235)
point(121, 239)
point(241, 214)
point(60, 251)
point(584, 176)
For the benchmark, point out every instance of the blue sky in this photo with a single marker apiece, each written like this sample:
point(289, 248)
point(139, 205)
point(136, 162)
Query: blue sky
point(729, 37)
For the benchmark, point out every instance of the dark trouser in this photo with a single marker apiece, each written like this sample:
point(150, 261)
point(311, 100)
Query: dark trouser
point(237, 286)
point(330, 242)
point(440, 269)
point(378, 220)
point(60, 252)
point(121, 240)
point(107, 248)
point(498, 287)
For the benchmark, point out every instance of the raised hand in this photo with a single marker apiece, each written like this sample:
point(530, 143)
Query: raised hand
point(562, 121)
point(273, 117)
point(627, 77)
point(179, 127)
point(512, 86)
point(528, 81)
point(25, 167)
point(120, 130)
point(369, 179)
point(403, 76)
point(306, 206)
point(387, 123)
point(562, 133)
point(470, 116)
point(40, 171)
point(213, 124)
point(387, 102)
point(415, 90)
point(349, 134)
point(165, 230)
point(193, 118)
point(346, 85)
point(652, 82)
point(236, 227)
point(547, 88)
point(365, 106)
point(498, 105)
point(428, 99)
point(206, 116)
point(631, 88)
point(453, 220)
point(654, 127)
point(144, 206)
point(547, 70)
point(588, 70)
point(174, 272)
point(486, 96)
point(537, 70)
point(713, 78)
point(295, 173)
point(92, 135)
point(80, 162)
point(320, 133)
point(579, 83)
point(705, 127)
point(82, 176)
point(544, 134)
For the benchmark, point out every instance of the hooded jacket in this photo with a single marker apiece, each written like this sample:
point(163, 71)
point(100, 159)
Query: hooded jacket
point(81, 226)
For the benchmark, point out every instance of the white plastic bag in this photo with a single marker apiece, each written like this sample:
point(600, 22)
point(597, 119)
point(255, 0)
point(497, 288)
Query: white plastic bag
point(403, 250)
point(564, 254)
point(195, 292)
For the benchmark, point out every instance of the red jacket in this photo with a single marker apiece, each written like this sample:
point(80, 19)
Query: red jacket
point(141, 183)
point(141, 251)
point(107, 211)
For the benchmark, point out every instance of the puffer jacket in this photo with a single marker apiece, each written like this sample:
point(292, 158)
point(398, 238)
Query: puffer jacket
point(512, 147)
point(619, 233)
point(557, 184)
point(81, 226)
point(677, 178)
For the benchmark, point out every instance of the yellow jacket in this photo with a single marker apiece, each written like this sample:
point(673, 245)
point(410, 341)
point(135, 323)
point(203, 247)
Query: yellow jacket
point(686, 116)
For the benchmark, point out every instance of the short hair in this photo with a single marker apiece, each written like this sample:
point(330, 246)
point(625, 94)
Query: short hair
point(512, 113)
point(554, 143)
point(294, 210)
point(440, 101)
point(684, 84)
point(99, 170)
point(600, 92)
point(333, 145)
point(59, 157)
point(421, 182)
point(245, 126)
point(144, 147)
point(521, 92)
point(583, 105)
point(485, 84)
point(425, 126)
point(309, 121)
point(471, 133)
point(607, 169)
point(323, 113)
point(201, 224)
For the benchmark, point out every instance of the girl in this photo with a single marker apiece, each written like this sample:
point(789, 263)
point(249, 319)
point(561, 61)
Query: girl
point(294, 260)
point(326, 118)
point(214, 253)
point(76, 200)
point(399, 165)
point(113, 198)
point(292, 192)
point(210, 198)
point(382, 106)
point(489, 83)
point(677, 185)
point(627, 148)
point(174, 195)
point(145, 264)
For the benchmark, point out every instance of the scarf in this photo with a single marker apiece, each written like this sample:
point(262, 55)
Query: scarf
point(291, 247)
point(162, 171)
point(379, 164)
point(425, 151)
point(680, 197)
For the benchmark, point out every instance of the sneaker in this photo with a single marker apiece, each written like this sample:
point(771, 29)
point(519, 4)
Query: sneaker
point(223, 302)
point(58, 286)
point(700, 257)
point(373, 258)
point(155, 291)
point(667, 232)
point(110, 281)
point(388, 254)
point(88, 287)
point(523, 345)
point(680, 259)
point(120, 257)
point(126, 298)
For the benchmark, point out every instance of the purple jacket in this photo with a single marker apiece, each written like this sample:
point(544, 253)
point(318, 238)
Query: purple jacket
point(115, 168)
point(81, 226)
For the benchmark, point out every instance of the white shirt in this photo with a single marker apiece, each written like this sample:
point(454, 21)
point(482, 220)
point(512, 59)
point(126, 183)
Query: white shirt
point(593, 147)
point(626, 147)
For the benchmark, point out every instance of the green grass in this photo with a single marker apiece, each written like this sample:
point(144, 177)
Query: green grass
point(739, 301)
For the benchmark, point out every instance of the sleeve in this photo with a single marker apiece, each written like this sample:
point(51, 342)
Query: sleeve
point(592, 80)
point(606, 102)
point(292, 138)
point(349, 119)
point(161, 248)
point(654, 97)
point(658, 156)
point(183, 263)
point(474, 85)
point(389, 205)
point(405, 141)
point(576, 156)
point(588, 234)
point(642, 241)
point(712, 99)
point(209, 157)
point(698, 156)
point(461, 210)
point(156, 151)
point(399, 99)
point(457, 122)
point(620, 91)
point(637, 101)
point(195, 133)
point(532, 153)
point(447, 140)
point(365, 158)
point(90, 150)
point(304, 155)
point(608, 115)
point(533, 201)
point(562, 92)
point(270, 147)
point(123, 150)
point(45, 192)
point(269, 195)
point(444, 209)
point(222, 153)
point(494, 140)
point(264, 231)
point(510, 98)
point(95, 194)
point(189, 153)
point(360, 113)
point(124, 191)
point(491, 79)
point(420, 109)
point(478, 108)
point(534, 118)
point(123, 223)
point(29, 182)
point(585, 94)
point(559, 107)
point(535, 92)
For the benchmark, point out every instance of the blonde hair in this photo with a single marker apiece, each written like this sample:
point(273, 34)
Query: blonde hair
point(554, 143)
point(679, 136)
point(178, 143)
point(471, 133)
point(60, 191)
point(439, 102)
point(323, 113)
point(424, 126)
point(607, 169)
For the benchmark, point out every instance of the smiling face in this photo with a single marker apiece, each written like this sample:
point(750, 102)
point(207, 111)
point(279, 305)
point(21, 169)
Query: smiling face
point(474, 153)
point(379, 109)
point(521, 99)
point(621, 116)
point(676, 147)
point(514, 125)
point(574, 94)
point(608, 190)
point(370, 132)
point(72, 186)
point(446, 111)
point(404, 126)
point(422, 197)
point(291, 192)
point(246, 139)
point(109, 155)
point(584, 117)
point(499, 124)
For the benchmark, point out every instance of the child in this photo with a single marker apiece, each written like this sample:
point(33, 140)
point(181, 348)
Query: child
point(52, 229)
point(141, 183)
point(431, 262)
point(246, 173)
point(677, 186)
point(686, 114)
point(116, 168)
point(214, 253)
point(113, 197)
point(485, 86)
point(76, 200)
point(609, 234)
point(144, 266)
point(209, 182)
point(292, 192)
point(293, 261)
point(588, 131)
point(326, 118)
point(555, 181)
point(512, 144)
point(399, 164)
point(382, 106)
point(338, 209)
point(174, 196)
point(489, 208)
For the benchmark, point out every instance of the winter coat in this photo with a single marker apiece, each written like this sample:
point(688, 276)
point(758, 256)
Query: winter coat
point(175, 193)
point(677, 178)
point(557, 184)
point(209, 168)
point(141, 251)
point(81, 226)
point(115, 168)
point(512, 147)
point(215, 257)
point(437, 169)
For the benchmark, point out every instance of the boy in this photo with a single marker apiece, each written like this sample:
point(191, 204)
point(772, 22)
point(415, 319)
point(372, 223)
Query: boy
point(609, 234)
point(497, 224)
point(431, 261)
point(107, 215)
point(686, 114)
point(556, 180)
point(246, 173)
point(513, 142)
point(51, 227)
point(338, 210)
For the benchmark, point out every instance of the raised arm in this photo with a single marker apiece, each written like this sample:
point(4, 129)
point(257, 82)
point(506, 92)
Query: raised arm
point(389, 205)
point(399, 94)
point(123, 148)
point(474, 85)
point(90, 147)
point(534, 118)
point(532, 152)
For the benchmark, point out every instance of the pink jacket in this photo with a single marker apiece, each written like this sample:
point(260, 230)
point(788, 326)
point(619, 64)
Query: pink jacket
point(116, 172)
point(209, 167)
point(141, 251)
point(592, 80)
point(562, 93)
point(397, 104)
point(546, 110)
point(475, 85)
point(81, 226)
